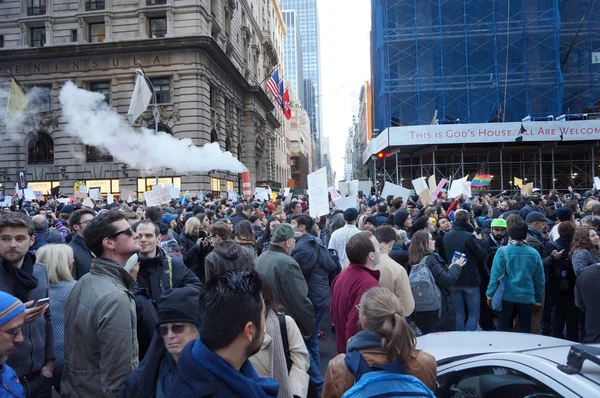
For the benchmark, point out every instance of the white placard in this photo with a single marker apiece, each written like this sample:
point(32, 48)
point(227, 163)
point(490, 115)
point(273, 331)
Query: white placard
point(420, 185)
point(94, 193)
point(39, 195)
point(396, 190)
point(597, 182)
point(232, 195)
point(345, 203)
point(64, 201)
point(261, 194)
point(156, 197)
point(348, 172)
point(29, 194)
point(88, 202)
point(353, 188)
point(175, 192)
point(110, 199)
point(318, 200)
point(458, 187)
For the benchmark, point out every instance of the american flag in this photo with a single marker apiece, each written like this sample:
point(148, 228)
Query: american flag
point(273, 86)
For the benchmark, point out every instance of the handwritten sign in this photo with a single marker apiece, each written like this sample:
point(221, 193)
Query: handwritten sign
point(318, 200)
point(157, 197)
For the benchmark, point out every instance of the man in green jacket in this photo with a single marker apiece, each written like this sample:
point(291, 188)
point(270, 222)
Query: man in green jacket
point(101, 346)
point(288, 283)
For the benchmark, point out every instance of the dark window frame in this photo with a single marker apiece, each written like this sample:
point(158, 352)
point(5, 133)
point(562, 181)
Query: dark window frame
point(95, 5)
point(160, 32)
point(1, 40)
point(95, 155)
point(42, 39)
point(40, 149)
point(91, 26)
point(36, 7)
point(155, 2)
point(95, 87)
point(162, 87)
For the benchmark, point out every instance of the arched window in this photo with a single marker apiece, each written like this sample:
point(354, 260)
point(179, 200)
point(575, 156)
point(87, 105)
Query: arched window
point(95, 155)
point(163, 128)
point(214, 137)
point(41, 149)
point(227, 145)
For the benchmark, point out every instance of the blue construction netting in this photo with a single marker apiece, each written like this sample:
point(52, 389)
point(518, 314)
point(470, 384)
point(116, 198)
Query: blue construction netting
point(448, 60)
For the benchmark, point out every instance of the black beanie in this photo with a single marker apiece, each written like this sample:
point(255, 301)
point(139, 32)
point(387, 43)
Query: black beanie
point(179, 305)
point(420, 223)
point(400, 217)
point(518, 231)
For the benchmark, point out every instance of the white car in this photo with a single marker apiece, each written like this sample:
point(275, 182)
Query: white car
point(512, 365)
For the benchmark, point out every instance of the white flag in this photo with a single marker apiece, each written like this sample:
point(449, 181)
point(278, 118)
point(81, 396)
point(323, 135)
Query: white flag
point(140, 99)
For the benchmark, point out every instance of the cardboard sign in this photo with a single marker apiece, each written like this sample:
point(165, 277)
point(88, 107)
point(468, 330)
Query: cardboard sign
point(431, 183)
point(396, 190)
point(420, 185)
point(318, 200)
point(458, 187)
point(88, 202)
point(439, 188)
point(517, 182)
point(527, 189)
point(156, 197)
point(345, 203)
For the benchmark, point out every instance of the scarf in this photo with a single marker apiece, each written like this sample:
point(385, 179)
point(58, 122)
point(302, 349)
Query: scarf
point(278, 369)
point(245, 383)
point(23, 277)
point(518, 242)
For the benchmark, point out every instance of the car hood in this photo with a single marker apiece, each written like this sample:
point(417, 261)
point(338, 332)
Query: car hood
point(448, 345)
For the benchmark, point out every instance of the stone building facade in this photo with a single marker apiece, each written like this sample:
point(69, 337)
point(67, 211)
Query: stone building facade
point(206, 58)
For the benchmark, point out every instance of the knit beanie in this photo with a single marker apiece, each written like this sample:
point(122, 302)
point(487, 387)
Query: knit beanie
point(10, 307)
point(131, 263)
point(400, 217)
point(180, 305)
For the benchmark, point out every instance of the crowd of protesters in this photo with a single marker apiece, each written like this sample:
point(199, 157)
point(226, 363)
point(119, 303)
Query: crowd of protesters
point(222, 299)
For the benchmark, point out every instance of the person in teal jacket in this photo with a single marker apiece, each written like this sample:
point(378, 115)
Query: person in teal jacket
point(523, 280)
point(12, 316)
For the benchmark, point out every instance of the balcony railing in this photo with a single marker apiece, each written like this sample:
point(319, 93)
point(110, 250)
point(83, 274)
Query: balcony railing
point(94, 5)
point(155, 2)
point(40, 10)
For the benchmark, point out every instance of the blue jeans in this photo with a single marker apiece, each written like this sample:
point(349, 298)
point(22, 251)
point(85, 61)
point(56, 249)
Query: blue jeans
point(525, 312)
point(466, 304)
point(312, 345)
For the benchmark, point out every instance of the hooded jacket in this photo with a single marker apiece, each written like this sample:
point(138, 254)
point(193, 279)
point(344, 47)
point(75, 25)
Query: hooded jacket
point(339, 379)
point(101, 346)
point(461, 239)
point(316, 267)
point(156, 275)
point(228, 256)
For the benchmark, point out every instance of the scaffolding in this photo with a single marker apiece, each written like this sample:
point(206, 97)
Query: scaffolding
point(482, 61)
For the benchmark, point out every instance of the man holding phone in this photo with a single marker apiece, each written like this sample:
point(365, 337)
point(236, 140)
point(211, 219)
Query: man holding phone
point(22, 277)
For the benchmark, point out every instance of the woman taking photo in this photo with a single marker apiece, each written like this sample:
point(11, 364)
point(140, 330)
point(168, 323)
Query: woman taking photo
point(524, 282)
point(58, 259)
point(422, 247)
point(195, 254)
point(585, 249)
point(385, 338)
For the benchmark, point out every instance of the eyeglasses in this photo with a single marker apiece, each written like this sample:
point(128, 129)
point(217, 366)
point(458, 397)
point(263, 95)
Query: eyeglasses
point(129, 232)
point(85, 222)
point(357, 306)
point(14, 333)
point(177, 329)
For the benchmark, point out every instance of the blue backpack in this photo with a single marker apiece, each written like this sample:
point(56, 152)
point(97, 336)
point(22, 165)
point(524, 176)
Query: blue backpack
point(390, 380)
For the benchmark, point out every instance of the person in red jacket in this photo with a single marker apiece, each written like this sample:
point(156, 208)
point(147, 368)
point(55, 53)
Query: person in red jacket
point(349, 286)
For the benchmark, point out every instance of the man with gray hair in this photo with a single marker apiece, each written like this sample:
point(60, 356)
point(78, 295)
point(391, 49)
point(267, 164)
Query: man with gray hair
point(591, 222)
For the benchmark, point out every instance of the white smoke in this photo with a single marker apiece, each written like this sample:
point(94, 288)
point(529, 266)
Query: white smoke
point(94, 122)
point(26, 122)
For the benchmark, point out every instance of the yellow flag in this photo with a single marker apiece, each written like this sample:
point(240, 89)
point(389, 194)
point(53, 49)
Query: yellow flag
point(17, 101)
point(518, 182)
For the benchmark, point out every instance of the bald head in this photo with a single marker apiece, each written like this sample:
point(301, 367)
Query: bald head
point(39, 219)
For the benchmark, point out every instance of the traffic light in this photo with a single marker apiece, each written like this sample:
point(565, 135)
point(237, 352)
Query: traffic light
point(380, 155)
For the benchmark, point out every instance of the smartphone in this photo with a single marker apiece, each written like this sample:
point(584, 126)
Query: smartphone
point(42, 301)
point(456, 256)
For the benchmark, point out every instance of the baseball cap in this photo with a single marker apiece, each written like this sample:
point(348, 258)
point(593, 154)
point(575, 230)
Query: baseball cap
point(498, 223)
point(350, 214)
point(535, 216)
point(281, 233)
point(167, 218)
point(372, 220)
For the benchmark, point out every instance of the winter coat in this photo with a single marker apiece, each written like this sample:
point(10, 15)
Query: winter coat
point(236, 218)
point(158, 274)
point(444, 278)
point(289, 287)
point(196, 256)
point(536, 241)
point(147, 318)
point(59, 293)
point(228, 256)
point(394, 277)
point(523, 271)
point(346, 291)
point(10, 382)
point(587, 299)
point(141, 382)
point(82, 256)
point(582, 259)
point(187, 243)
point(339, 379)
point(316, 267)
point(38, 336)
point(101, 346)
point(461, 239)
point(560, 276)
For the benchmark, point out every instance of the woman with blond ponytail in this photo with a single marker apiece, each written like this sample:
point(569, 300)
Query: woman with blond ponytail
point(385, 338)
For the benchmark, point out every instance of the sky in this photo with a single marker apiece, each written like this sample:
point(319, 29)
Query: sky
point(345, 66)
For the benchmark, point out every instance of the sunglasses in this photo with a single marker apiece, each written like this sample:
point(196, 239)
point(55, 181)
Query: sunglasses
point(129, 232)
point(177, 329)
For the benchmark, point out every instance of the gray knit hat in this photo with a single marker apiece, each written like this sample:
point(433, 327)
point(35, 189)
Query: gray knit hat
point(131, 263)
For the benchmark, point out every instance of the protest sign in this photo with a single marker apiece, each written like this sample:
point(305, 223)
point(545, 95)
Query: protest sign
point(396, 190)
point(597, 182)
point(431, 183)
point(439, 188)
point(458, 187)
point(88, 203)
point(318, 200)
point(345, 203)
point(110, 199)
point(94, 193)
point(334, 193)
point(261, 194)
point(517, 182)
point(28, 193)
point(156, 197)
point(39, 195)
point(527, 189)
point(232, 195)
point(420, 185)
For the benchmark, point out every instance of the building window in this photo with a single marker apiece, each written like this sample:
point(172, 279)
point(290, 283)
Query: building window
point(102, 87)
point(106, 186)
point(95, 155)
point(227, 145)
point(94, 5)
point(97, 32)
point(229, 185)
point(38, 37)
point(41, 149)
point(74, 37)
point(1, 41)
point(214, 137)
point(212, 94)
point(162, 86)
point(215, 185)
point(158, 27)
point(239, 152)
point(36, 7)
point(155, 2)
point(146, 184)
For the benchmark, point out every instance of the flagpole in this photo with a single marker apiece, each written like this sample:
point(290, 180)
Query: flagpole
point(16, 81)
point(155, 106)
point(269, 75)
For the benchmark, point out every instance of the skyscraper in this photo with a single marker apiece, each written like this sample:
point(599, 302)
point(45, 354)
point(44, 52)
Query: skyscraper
point(292, 54)
point(307, 18)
